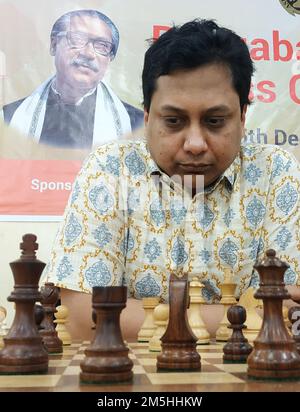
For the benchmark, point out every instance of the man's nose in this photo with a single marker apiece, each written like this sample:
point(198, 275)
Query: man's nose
point(195, 142)
point(88, 50)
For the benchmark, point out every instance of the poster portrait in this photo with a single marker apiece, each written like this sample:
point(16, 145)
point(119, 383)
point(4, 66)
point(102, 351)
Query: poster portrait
point(70, 80)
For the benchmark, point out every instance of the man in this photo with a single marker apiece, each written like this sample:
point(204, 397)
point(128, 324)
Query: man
point(137, 213)
point(76, 108)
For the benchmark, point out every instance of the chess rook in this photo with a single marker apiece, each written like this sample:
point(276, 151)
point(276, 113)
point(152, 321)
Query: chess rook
point(178, 342)
point(106, 358)
point(274, 355)
point(23, 350)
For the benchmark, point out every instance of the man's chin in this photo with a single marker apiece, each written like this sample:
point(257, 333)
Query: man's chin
point(84, 82)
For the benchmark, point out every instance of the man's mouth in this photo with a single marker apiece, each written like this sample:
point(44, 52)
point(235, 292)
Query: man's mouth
point(85, 66)
point(195, 167)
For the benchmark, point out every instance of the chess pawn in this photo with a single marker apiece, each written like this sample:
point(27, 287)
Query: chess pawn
point(160, 315)
point(62, 312)
point(274, 354)
point(106, 358)
point(294, 318)
point(194, 315)
point(237, 347)
point(148, 327)
point(23, 351)
point(50, 295)
point(228, 299)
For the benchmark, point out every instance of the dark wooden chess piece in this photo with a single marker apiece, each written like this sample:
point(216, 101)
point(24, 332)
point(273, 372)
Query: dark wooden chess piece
point(23, 350)
point(106, 358)
point(50, 296)
point(39, 314)
point(237, 348)
point(294, 318)
point(94, 319)
point(274, 355)
point(178, 342)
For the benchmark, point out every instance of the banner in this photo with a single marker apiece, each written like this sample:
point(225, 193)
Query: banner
point(59, 102)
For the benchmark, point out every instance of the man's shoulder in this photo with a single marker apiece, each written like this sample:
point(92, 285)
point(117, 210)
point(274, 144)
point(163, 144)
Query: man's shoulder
point(129, 158)
point(259, 152)
point(268, 160)
point(136, 115)
point(123, 148)
point(10, 108)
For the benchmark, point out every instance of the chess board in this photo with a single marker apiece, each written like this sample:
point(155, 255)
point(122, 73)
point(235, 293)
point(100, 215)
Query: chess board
point(63, 375)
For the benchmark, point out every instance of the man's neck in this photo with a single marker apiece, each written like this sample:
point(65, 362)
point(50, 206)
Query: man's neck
point(68, 94)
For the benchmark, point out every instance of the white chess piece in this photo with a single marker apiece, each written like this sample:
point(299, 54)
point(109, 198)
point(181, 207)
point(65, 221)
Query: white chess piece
point(228, 299)
point(161, 317)
point(61, 320)
point(3, 330)
point(148, 327)
point(194, 315)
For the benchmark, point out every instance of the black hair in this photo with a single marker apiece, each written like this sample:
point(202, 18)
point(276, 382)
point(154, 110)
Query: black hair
point(194, 44)
point(62, 22)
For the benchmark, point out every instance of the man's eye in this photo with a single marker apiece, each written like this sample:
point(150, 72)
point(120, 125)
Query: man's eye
point(215, 121)
point(173, 121)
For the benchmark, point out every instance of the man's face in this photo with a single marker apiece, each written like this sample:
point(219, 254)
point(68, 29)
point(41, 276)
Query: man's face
point(82, 68)
point(194, 125)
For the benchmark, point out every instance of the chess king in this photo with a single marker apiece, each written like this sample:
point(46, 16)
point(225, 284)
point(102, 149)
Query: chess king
point(137, 213)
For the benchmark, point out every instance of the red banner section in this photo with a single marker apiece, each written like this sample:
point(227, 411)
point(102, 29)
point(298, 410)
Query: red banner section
point(36, 187)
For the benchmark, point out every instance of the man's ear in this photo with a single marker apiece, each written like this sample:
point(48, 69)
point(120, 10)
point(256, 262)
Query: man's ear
point(146, 117)
point(243, 114)
point(53, 46)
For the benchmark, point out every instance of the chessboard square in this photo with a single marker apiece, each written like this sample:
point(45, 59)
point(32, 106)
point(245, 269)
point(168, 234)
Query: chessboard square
point(213, 346)
point(76, 345)
point(190, 378)
point(72, 370)
point(209, 368)
point(55, 370)
point(143, 351)
point(207, 355)
point(79, 356)
point(131, 356)
point(214, 361)
point(204, 362)
point(59, 362)
point(147, 361)
point(138, 369)
point(28, 381)
point(233, 367)
point(70, 352)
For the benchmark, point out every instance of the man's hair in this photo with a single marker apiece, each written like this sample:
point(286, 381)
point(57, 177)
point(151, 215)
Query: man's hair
point(194, 44)
point(62, 23)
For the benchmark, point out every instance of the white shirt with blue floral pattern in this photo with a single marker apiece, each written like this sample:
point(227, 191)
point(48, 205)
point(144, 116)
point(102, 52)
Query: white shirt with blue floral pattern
point(128, 223)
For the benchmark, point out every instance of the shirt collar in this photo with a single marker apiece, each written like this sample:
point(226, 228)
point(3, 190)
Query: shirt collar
point(78, 103)
point(229, 177)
